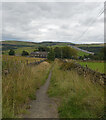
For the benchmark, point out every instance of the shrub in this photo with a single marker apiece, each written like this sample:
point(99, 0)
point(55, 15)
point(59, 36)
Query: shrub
point(65, 52)
point(25, 53)
point(51, 55)
point(68, 66)
point(11, 52)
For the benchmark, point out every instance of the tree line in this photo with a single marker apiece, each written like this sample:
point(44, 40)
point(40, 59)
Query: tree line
point(62, 52)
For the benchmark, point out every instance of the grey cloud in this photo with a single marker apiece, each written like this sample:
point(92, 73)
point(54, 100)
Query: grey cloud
point(52, 21)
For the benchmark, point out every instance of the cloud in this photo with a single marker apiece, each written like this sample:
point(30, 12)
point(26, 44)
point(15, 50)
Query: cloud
point(53, 21)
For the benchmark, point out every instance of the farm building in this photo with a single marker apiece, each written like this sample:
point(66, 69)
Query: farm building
point(39, 54)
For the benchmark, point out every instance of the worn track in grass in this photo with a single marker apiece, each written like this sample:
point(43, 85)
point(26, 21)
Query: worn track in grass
point(43, 106)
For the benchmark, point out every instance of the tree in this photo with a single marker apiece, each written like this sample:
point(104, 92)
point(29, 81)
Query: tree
point(35, 50)
point(24, 53)
point(43, 48)
point(65, 52)
point(58, 52)
point(51, 55)
point(101, 55)
point(11, 52)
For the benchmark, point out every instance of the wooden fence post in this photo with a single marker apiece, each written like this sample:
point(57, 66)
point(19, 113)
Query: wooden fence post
point(27, 62)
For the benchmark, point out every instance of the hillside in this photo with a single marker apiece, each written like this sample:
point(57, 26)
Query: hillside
point(32, 44)
point(19, 46)
point(91, 47)
point(6, 45)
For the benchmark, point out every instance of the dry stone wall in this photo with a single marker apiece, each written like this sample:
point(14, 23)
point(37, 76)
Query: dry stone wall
point(95, 77)
point(36, 63)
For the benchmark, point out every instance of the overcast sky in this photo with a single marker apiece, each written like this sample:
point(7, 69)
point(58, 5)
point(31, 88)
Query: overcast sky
point(53, 21)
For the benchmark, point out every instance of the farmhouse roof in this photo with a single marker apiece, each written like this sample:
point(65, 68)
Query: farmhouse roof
point(39, 53)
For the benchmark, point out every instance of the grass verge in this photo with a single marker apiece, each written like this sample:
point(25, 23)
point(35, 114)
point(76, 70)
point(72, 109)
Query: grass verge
point(19, 82)
point(78, 97)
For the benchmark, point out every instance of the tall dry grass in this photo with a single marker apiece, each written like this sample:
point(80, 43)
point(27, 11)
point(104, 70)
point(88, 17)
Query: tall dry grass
point(19, 84)
point(21, 59)
point(78, 97)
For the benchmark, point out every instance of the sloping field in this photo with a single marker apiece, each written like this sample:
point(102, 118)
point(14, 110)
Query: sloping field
point(91, 47)
point(18, 51)
point(18, 43)
point(81, 53)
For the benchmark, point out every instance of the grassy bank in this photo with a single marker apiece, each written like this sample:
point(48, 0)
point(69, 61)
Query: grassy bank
point(20, 83)
point(77, 96)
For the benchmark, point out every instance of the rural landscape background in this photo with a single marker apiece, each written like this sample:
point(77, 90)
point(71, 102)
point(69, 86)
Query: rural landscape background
point(53, 63)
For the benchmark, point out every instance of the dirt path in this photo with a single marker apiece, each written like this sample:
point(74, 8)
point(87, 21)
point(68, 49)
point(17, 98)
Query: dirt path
point(43, 106)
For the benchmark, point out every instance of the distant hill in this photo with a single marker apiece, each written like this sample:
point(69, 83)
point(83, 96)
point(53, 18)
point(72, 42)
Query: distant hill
point(6, 45)
point(18, 43)
point(91, 47)
point(19, 46)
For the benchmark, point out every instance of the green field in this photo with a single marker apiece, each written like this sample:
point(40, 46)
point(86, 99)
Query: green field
point(95, 48)
point(18, 51)
point(97, 66)
point(81, 53)
point(18, 43)
point(89, 45)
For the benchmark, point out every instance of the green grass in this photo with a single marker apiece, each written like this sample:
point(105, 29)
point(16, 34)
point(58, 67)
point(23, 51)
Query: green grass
point(28, 49)
point(81, 53)
point(89, 45)
point(18, 51)
point(18, 43)
point(77, 97)
point(97, 66)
